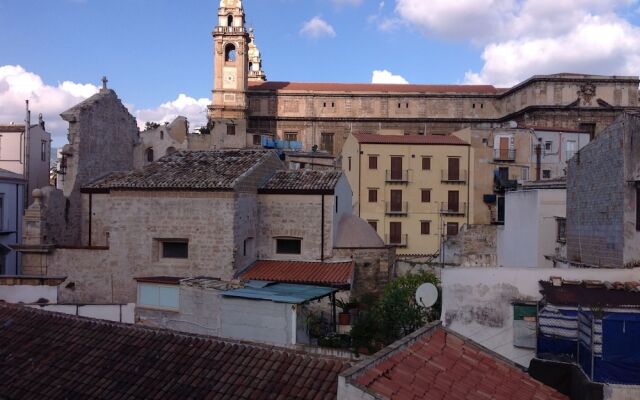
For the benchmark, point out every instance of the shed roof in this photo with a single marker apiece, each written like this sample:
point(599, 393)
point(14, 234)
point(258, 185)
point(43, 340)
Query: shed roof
point(47, 355)
point(218, 170)
point(437, 363)
point(433, 140)
point(302, 181)
point(302, 272)
point(281, 292)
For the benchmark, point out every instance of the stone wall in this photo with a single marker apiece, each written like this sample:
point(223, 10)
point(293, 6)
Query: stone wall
point(595, 201)
point(475, 246)
point(373, 269)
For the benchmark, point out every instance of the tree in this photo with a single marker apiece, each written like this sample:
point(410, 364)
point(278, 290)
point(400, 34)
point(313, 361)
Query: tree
point(151, 125)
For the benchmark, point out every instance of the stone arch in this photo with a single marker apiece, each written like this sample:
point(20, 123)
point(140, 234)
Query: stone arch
point(230, 53)
point(148, 154)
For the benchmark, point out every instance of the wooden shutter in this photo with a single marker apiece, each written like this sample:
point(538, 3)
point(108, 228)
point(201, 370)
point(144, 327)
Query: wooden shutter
point(395, 232)
point(396, 168)
point(396, 200)
point(426, 195)
point(454, 201)
point(504, 148)
point(454, 169)
point(373, 195)
point(425, 227)
point(452, 229)
point(373, 162)
point(426, 163)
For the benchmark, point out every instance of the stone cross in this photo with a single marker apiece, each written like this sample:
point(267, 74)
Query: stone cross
point(104, 83)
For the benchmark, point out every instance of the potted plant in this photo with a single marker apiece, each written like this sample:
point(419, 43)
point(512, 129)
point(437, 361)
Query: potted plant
point(344, 318)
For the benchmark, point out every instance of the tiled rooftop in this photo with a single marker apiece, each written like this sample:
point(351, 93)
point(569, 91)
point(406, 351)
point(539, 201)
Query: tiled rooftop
point(313, 273)
point(369, 87)
point(302, 180)
point(437, 364)
point(187, 170)
point(410, 139)
point(46, 355)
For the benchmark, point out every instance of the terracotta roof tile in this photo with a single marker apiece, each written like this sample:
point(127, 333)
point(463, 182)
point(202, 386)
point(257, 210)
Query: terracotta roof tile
point(371, 87)
point(434, 140)
point(45, 355)
point(436, 366)
point(300, 181)
point(187, 170)
point(316, 273)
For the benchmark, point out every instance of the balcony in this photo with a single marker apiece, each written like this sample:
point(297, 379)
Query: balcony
point(504, 155)
point(502, 184)
point(229, 29)
point(454, 176)
point(397, 176)
point(397, 209)
point(453, 209)
point(397, 240)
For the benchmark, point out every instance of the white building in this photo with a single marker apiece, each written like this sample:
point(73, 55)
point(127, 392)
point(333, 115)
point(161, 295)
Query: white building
point(12, 191)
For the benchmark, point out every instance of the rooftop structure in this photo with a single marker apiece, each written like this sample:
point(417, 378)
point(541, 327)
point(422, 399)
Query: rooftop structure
point(313, 273)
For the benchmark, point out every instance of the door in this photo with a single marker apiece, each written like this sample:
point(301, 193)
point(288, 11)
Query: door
point(454, 201)
point(454, 169)
point(395, 232)
point(396, 168)
point(504, 148)
point(396, 200)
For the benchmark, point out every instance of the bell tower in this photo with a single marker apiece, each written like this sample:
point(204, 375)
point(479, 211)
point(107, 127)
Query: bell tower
point(228, 111)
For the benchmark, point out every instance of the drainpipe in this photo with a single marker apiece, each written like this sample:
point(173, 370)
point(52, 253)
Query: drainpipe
point(322, 230)
point(538, 159)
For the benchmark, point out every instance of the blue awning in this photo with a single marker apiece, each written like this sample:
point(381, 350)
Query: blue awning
point(281, 292)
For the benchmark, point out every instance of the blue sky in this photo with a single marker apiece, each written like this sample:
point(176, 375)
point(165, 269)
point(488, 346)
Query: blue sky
point(154, 50)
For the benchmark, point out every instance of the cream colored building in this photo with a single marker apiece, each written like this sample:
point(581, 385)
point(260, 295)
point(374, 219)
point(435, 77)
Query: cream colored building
point(413, 189)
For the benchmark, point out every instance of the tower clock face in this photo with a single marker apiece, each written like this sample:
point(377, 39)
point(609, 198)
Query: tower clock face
point(229, 78)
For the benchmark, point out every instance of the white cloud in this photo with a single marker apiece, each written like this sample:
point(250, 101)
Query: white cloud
point(385, 76)
point(18, 85)
point(521, 38)
point(194, 109)
point(316, 28)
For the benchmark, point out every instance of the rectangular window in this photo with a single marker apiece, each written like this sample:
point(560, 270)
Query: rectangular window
point(426, 163)
point(373, 195)
point(289, 246)
point(548, 146)
point(291, 136)
point(374, 224)
point(525, 173)
point(454, 168)
point(257, 140)
point(562, 230)
point(637, 208)
point(425, 227)
point(43, 150)
point(452, 229)
point(326, 142)
point(159, 296)
point(426, 195)
point(373, 162)
point(349, 163)
point(231, 129)
point(546, 174)
point(395, 233)
point(175, 249)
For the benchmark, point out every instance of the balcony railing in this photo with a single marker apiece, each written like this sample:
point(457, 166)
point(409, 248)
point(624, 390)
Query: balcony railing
point(400, 176)
point(396, 208)
point(397, 240)
point(453, 176)
point(453, 208)
point(229, 29)
point(504, 155)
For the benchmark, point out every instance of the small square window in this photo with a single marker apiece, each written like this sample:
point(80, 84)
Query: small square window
point(426, 195)
point(546, 174)
point(548, 146)
point(426, 163)
point(373, 195)
point(452, 229)
point(373, 162)
point(289, 246)
point(374, 224)
point(231, 129)
point(425, 227)
point(175, 249)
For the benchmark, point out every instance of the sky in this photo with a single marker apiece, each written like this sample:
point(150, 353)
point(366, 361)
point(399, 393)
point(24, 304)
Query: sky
point(157, 54)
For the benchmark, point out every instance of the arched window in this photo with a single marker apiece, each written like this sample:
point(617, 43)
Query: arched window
point(230, 53)
point(250, 66)
point(230, 20)
point(148, 154)
point(171, 150)
point(161, 135)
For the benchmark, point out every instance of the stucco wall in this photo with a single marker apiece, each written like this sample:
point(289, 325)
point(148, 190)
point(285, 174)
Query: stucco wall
point(28, 294)
point(12, 195)
point(109, 312)
point(259, 321)
point(476, 302)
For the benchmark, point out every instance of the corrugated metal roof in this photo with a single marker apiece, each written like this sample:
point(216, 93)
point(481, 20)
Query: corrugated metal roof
point(435, 140)
point(314, 273)
point(282, 293)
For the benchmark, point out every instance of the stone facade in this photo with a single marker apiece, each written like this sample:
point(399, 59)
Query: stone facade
point(602, 192)
point(475, 246)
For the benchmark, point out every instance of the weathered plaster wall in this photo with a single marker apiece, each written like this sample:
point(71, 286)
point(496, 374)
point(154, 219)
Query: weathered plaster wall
point(373, 268)
point(475, 246)
point(476, 302)
point(28, 294)
point(109, 312)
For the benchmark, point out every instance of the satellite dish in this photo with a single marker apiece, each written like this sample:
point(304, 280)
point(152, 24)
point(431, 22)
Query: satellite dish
point(427, 295)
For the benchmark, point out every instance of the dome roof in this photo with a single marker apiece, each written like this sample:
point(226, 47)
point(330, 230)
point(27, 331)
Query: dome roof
point(356, 233)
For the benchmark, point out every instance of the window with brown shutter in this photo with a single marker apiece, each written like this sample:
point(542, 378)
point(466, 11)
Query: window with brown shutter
point(638, 209)
point(373, 162)
point(452, 229)
point(426, 195)
point(231, 129)
point(426, 163)
point(373, 195)
point(425, 227)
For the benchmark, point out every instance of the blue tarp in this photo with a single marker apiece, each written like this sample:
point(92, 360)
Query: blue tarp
point(282, 293)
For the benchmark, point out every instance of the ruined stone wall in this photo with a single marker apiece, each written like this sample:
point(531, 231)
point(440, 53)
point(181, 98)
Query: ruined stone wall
point(373, 269)
point(595, 201)
point(474, 246)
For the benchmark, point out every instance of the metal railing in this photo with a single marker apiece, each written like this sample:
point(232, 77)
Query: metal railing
point(401, 208)
point(452, 176)
point(398, 241)
point(401, 176)
point(453, 208)
point(230, 29)
point(504, 155)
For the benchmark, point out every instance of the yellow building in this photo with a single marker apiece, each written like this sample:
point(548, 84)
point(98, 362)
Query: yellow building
point(413, 189)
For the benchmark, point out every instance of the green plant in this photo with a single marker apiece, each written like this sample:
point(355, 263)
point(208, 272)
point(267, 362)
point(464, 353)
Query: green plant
point(347, 305)
point(314, 325)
